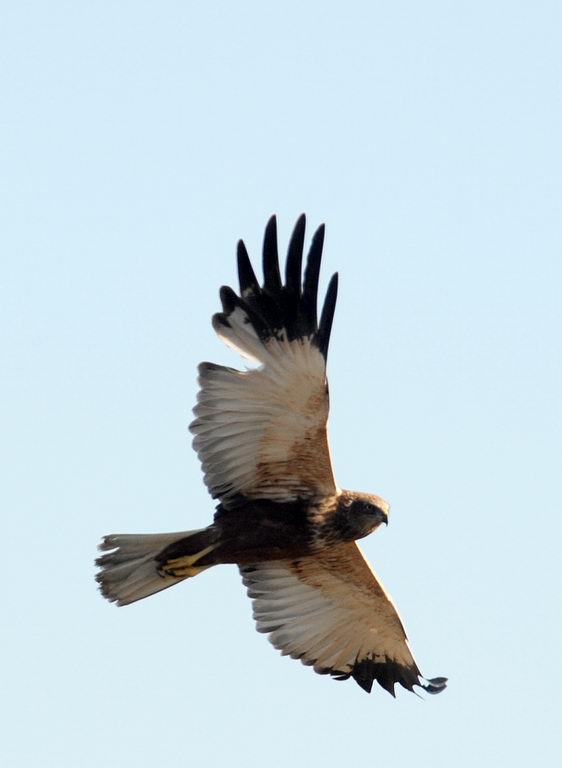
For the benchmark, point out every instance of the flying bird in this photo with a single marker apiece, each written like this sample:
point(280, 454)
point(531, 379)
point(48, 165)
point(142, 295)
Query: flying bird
point(261, 438)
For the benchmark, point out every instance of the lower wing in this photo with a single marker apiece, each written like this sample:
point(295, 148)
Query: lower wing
point(332, 613)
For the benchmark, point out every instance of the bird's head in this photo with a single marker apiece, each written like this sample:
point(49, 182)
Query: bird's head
point(364, 512)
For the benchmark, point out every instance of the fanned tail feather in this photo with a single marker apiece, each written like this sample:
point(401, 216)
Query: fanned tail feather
point(131, 568)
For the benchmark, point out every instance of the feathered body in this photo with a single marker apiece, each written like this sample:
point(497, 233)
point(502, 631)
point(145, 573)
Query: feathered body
point(261, 437)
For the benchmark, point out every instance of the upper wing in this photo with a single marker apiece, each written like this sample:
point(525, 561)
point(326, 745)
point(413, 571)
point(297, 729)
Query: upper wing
point(331, 612)
point(262, 433)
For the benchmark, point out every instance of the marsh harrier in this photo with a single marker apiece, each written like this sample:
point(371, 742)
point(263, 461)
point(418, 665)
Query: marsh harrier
point(261, 437)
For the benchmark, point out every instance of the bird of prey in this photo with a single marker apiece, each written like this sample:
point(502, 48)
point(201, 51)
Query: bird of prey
point(261, 437)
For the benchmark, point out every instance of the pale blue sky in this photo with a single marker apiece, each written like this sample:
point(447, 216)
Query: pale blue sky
point(139, 141)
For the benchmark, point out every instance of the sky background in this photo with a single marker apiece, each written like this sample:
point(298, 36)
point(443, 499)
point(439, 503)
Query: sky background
point(138, 142)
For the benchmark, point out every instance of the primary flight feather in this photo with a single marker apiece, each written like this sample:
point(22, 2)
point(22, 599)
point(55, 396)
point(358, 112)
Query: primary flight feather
point(261, 437)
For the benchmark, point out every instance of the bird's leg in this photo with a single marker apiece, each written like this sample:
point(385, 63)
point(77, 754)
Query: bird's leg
point(185, 566)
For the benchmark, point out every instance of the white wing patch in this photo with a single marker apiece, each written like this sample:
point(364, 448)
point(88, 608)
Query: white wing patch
point(262, 433)
point(328, 611)
point(241, 336)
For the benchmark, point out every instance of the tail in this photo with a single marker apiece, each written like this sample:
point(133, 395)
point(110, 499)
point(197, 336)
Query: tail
point(139, 565)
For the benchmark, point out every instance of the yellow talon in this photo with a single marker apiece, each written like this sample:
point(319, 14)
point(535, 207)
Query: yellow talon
point(180, 571)
point(183, 567)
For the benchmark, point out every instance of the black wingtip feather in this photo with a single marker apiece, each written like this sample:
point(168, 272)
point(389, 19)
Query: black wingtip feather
point(283, 311)
point(246, 274)
point(435, 685)
point(271, 273)
point(293, 265)
point(311, 276)
point(228, 299)
point(387, 674)
point(327, 317)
